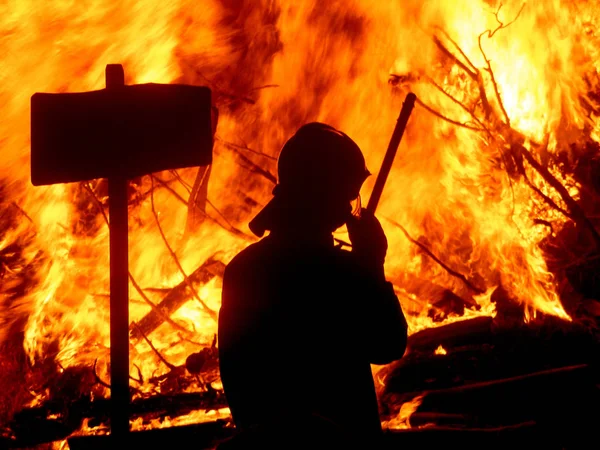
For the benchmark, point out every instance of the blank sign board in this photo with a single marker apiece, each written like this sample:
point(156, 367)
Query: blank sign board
point(125, 132)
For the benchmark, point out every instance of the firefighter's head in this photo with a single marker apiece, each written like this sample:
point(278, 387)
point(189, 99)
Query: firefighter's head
point(320, 173)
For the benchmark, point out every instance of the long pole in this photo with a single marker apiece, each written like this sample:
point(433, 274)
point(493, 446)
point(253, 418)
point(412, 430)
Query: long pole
point(119, 289)
point(390, 154)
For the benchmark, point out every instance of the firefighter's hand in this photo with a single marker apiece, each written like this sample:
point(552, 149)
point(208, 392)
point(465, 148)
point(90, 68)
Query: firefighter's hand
point(368, 238)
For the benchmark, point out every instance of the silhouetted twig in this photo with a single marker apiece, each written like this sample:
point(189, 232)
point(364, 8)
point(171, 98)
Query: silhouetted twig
point(232, 228)
point(183, 338)
point(160, 356)
point(165, 317)
point(489, 70)
point(97, 377)
point(169, 188)
point(577, 213)
point(493, 80)
point(250, 165)
point(22, 211)
point(462, 105)
point(131, 278)
point(211, 313)
point(547, 199)
point(545, 223)
point(429, 253)
point(197, 198)
point(245, 147)
point(473, 73)
point(266, 86)
point(504, 25)
point(447, 119)
point(97, 201)
point(473, 70)
point(184, 183)
point(140, 378)
point(504, 130)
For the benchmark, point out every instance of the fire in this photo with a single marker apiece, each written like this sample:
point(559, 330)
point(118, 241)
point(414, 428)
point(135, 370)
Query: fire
point(402, 420)
point(272, 67)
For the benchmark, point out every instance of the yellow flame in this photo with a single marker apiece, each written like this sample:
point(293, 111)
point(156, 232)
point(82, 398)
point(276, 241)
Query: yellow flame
point(273, 67)
point(402, 420)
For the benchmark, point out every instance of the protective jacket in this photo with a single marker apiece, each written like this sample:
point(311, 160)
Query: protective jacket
point(299, 326)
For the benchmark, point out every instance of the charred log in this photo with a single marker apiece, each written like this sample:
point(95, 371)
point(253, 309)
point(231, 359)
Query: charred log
point(203, 436)
point(447, 305)
point(519, 436)
point(454, 334)
point(551, 396)
point(50, 422)
point(420, 372)
point(177, 297)
point(486, 356)
point(583, 276)
point(420, 419)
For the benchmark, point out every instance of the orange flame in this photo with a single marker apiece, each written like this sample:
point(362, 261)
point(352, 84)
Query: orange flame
point(274, 66)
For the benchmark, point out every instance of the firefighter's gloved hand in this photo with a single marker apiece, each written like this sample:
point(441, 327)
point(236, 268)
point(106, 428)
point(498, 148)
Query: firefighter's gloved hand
point(368, 238)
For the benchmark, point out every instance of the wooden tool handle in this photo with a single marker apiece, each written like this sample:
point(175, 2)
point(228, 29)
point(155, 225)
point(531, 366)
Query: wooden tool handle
point(390, 154)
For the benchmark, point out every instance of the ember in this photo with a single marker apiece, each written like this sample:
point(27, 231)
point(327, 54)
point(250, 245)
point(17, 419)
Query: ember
point(491, 208)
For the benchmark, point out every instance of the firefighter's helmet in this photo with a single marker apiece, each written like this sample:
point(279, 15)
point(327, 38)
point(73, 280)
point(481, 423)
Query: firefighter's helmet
point(321, 160)
point(319, 165)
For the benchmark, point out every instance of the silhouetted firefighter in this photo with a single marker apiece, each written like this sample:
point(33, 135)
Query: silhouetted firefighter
point(302, 319)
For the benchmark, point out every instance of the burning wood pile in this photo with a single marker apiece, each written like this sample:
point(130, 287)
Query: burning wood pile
point(492, 386)
point(491, 210)
point(495, 381)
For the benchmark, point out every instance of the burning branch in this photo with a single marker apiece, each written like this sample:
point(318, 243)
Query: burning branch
point(445, 118)
point(482, 127)
point(198, 198)
point(140, 379)
point(473, 73)
point(149, 342)
point(169, 188)
point(177, 297)
point(249, 164)
point(547, 199)
point(131, 278)
point(472, 69)
point(231, 228)
point(577, 213)
point(502, 25)
point(218, 91)
point(22, 211)
point(228, 227)
point(155, 308)
point(184, 183)
point(99, 380)
point(493, 79)
point(103, 383)
point(246, 148)
point(97, 201)
point(172, 252)
point(501, 132)
point(488, 69)
point(429, 253)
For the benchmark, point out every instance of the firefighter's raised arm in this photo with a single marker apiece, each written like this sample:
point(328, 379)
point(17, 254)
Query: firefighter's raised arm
point(386, 324)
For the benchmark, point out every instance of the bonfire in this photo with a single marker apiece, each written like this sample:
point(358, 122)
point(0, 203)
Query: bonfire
point(491, 208)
